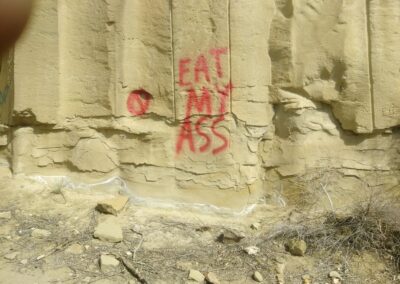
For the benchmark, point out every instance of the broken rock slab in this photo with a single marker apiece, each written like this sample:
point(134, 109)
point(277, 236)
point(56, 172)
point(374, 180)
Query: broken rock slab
point(335, 275)
point(212, 278)
point(109, 230)
point(40, 234)
point(196, 275)
point(74, 249)
point(5, 215)
point(296, 247)
point(112, 205)
point(11, 256)
point(108, 263)
point(258, 277)
point(230, 237)
point(252, 250)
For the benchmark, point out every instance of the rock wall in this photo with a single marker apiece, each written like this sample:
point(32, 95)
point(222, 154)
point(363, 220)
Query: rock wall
point(219, 102)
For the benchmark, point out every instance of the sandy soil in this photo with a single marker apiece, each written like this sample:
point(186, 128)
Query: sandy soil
point(161, 244)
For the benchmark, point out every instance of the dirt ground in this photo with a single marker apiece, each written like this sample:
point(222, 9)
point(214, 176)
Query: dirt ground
point(160, 244)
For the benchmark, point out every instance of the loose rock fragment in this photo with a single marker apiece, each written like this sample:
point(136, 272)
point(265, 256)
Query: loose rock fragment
point(5, 215)
point(211, 278)
point(229, 237)
point(40, 234)
point(24, 261)
point(252, 250)
point(74, 249)
point(255, 226)
point(280, 278)
point(109, 231)
point(306, 279)
point(108, 263)
point(11, 256)
point(112, 205)
point(196, 275)
point(296, 247)
point(335, 274)
point(257, 276)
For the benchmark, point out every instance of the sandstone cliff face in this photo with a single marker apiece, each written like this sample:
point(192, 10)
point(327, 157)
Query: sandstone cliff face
point(218, 102)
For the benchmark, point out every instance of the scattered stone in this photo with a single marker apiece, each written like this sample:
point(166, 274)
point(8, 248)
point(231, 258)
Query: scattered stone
point(128, 253)
point(184, 265)
point(5, 215)
point(255, 226)
point(11, 256)
point(24, 261)
point(280, 278)
point(335, 274)
point(60, 274)
point(109, 231)
point(108, 263)
point(196, 275)
point(229, 237)
point(112, 205)
point(40, 257)
point(306, 279)
point(296, 247)
point(280, 268)
point(74, 249)
point(211, 278)
point(40, 234)
point(252, 250)
point(257, 276)
point(203, 229)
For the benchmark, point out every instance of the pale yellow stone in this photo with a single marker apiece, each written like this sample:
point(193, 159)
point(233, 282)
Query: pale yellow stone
point(112, 205)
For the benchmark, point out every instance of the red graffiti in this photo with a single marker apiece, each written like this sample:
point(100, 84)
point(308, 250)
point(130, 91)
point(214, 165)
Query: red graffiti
point(138, 102)
point(217, 56)
point(199, 101)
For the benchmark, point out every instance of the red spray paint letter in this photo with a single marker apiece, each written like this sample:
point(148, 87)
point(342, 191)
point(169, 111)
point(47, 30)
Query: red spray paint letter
point(182, 71)
point(201, 67)
point(219, 135)
point(204, 101)
point(207, 144)
point(185, 134)
point(217, 52)
point(138, 102)
point(223, 95)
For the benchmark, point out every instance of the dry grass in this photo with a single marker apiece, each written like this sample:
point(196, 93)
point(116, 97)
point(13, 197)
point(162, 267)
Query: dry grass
point(373, 225)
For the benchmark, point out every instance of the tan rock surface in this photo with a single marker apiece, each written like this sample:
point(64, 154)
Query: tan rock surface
point(207, 102)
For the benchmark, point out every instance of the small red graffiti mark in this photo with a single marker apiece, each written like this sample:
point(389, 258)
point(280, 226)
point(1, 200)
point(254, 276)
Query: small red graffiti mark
point(183, 70)
point(138, 102)
point(185, 134)
point(201, 67)
point(219, 135)
point(223, 95)
point(193, 99)
point(207, 138)
point(217, 52)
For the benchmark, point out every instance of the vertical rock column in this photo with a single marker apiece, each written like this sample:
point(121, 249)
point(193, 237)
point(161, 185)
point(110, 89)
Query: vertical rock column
point(384, 20)
point(84, 67)
point(251, 78)
point(203, 90)
point(36, 68)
